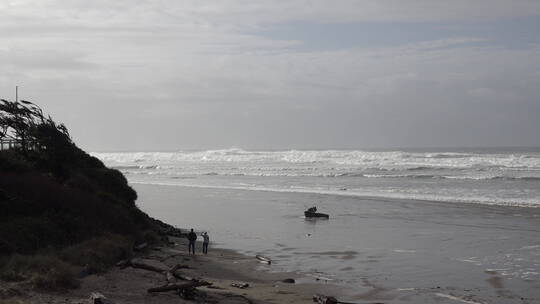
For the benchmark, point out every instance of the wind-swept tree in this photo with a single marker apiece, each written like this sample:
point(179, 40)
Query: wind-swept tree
point(24, 121)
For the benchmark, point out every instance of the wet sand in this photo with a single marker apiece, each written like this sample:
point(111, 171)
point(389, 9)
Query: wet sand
point(377, 250)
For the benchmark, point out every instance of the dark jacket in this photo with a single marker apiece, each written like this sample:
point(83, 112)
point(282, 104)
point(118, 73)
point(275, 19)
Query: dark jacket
point(192, 236)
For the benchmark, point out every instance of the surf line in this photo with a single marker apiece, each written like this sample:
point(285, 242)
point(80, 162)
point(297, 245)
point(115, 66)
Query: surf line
point(443, 295)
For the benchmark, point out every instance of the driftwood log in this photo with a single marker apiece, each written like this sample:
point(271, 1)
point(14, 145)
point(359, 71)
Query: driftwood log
point(171, 279)
point(148, 265)
point(263, 259)
point(179, 276)
point(179, 287)
point(171, 275)
point(123, 264)
point(98, 298)
point(140, 247)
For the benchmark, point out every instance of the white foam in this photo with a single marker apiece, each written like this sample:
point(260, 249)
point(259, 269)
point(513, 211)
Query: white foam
point(404, 251)
point(354, 158)
point(451, 297)
point(397, 174)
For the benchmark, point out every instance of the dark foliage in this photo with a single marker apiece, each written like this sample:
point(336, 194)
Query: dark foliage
point(53, 194)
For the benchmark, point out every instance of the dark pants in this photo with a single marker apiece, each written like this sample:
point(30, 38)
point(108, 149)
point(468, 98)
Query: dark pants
point(191, 247)
point(205, 248)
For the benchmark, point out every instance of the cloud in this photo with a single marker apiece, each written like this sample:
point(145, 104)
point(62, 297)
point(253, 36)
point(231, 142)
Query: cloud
point(179, 66)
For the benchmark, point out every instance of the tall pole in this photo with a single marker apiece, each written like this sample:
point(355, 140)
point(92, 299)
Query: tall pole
point(16, 93)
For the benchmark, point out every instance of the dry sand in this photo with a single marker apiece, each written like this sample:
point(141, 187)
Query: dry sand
point(220, 267)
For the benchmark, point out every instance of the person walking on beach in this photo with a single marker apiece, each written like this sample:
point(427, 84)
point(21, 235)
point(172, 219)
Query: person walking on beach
point(206, 240)
point(192, 237)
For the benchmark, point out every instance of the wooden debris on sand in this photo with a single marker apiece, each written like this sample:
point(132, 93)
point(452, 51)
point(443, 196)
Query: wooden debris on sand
point(180, 286)
point(322, 299)
point(171, 275)
point(123, 264)
point(150, 265)
point(98, 298)
point(263, 259)
point(140, 247)
point(241, 285)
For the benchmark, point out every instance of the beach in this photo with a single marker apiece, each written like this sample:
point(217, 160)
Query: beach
point(370, 250)
point(221, 267)
point(373, 249)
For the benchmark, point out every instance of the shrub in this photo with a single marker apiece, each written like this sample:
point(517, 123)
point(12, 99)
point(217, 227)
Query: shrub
point(150, 237)
point(11, 301)
point(42, 271)
point(98, 254)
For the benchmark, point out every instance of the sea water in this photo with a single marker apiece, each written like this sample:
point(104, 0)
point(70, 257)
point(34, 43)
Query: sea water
point(485, 176)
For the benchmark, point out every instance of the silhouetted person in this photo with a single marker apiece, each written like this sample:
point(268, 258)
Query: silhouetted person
point(312, 209)
point(192, 237)
point(206, 240)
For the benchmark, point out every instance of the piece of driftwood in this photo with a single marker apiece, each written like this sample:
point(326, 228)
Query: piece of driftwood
point(322, 299)
point(179, 287)
point(177, 266)
point(179, 276)
point(98, 298)
point(171, 279)
point(263, 259)
point(241, 285)
point(147, 265)
point(141, 246)
point(123, 264)
point(214, 287)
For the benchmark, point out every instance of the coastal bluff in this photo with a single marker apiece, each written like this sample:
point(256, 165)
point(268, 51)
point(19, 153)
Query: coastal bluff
point(63, 213)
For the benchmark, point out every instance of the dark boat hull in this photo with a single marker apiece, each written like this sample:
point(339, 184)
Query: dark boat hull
point(315, 215)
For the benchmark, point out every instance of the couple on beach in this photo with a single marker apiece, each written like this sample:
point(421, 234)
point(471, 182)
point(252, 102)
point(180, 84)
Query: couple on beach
point(192, 237)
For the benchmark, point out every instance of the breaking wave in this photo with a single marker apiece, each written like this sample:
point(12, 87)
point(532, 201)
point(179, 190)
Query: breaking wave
point(356, 158)
point(492, 177)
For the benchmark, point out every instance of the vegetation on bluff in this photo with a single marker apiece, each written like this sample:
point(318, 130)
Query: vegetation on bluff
point(60, 203)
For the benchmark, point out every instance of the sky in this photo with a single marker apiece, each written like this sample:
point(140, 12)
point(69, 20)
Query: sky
point(165, 75)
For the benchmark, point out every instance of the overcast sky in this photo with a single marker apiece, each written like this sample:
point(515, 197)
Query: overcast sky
point(170, 74)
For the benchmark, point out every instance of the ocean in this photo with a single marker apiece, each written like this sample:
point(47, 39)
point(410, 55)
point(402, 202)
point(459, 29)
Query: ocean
point(407, 226)
point(483, 176)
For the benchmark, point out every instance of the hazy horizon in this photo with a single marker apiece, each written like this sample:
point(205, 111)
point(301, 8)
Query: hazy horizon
point(166, 75)
point(371, 149)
